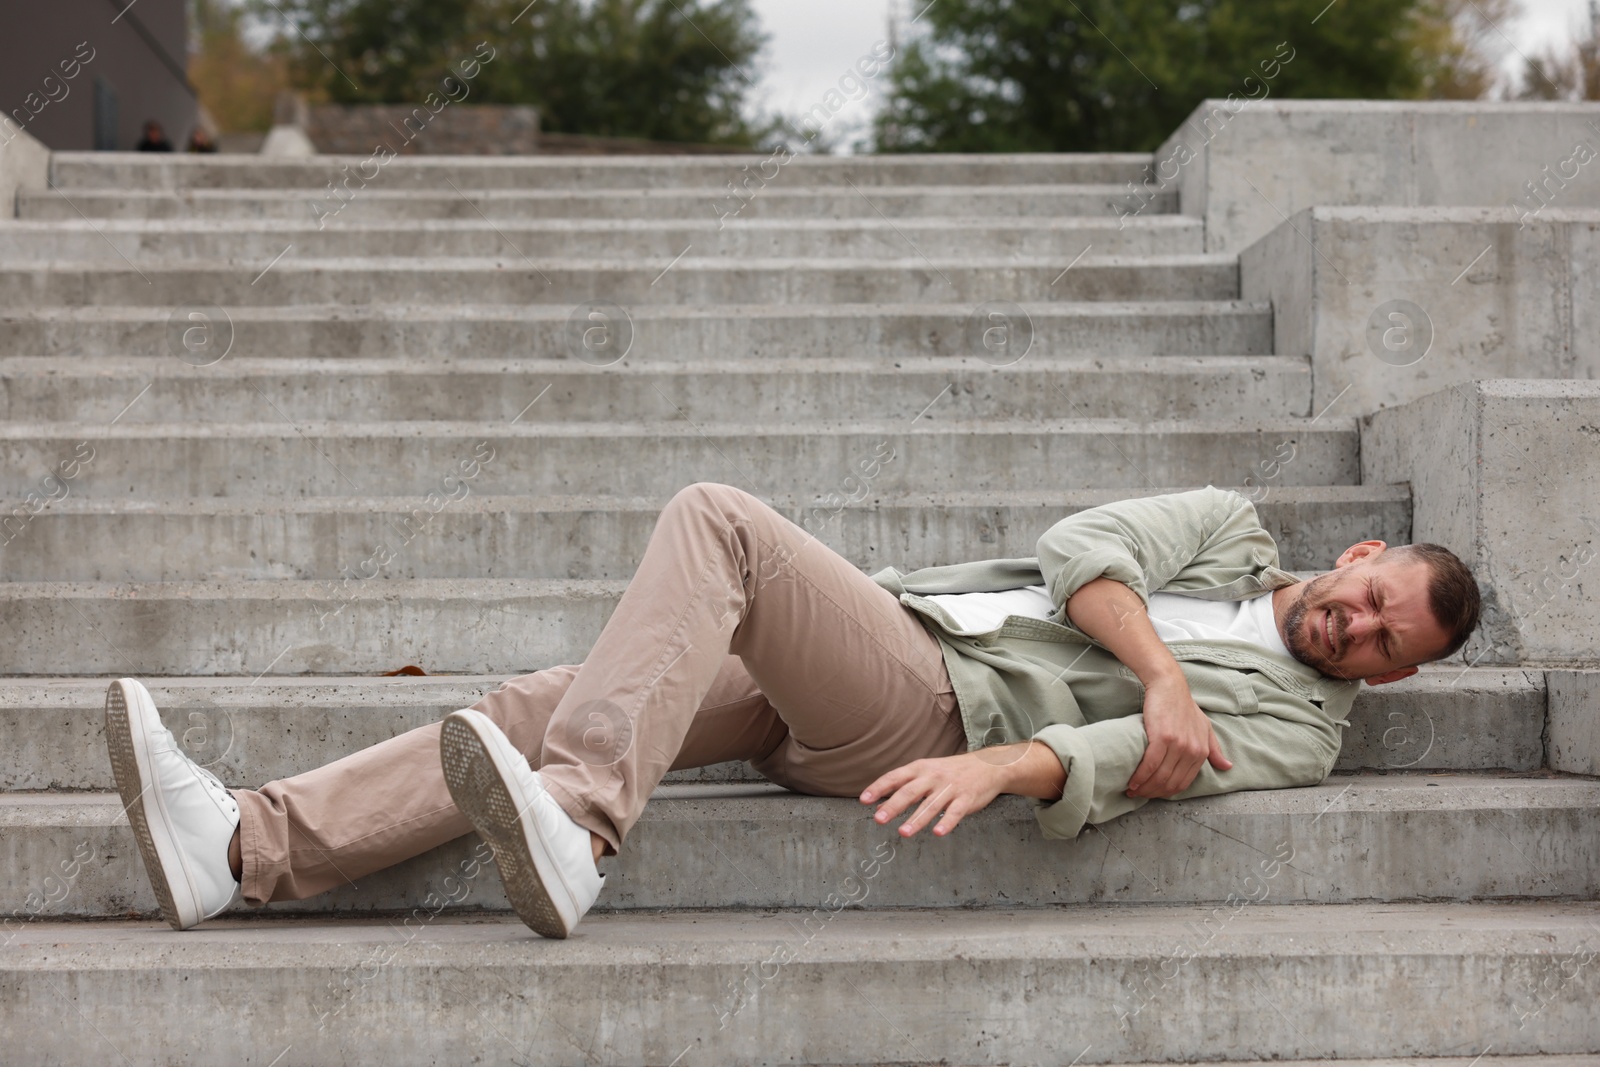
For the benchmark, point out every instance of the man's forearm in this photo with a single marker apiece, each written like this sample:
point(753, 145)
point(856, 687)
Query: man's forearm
point(1179, 736)
point(1112, 614)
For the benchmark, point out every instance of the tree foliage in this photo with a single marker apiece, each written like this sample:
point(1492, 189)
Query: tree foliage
point(236, 83)
point(1103, 75)
point(668, 70)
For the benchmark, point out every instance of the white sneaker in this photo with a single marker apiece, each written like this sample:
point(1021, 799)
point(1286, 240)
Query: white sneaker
point(545, 859)
point(182, 817)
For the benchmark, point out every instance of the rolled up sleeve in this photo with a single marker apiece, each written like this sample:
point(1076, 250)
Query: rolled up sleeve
point(1149, 542)
point(1097, 759)
point(1267, 753)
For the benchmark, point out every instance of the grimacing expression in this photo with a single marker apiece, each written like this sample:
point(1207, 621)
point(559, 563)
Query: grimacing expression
point(1367, 618)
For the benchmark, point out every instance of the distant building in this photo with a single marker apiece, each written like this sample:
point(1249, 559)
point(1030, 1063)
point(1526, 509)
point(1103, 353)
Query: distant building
point(81, 74)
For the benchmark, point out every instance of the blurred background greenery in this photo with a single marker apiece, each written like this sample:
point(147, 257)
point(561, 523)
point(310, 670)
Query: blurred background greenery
point(970, 75)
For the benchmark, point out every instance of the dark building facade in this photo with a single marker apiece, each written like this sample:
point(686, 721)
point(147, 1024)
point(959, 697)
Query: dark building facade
point(79, 74)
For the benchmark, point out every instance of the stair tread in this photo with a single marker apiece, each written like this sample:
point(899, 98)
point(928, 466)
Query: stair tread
point(388, 311)
point(27, 227)
point(803, 428)
point(483, 502)
point(99, 366)
point(1394, 793)
point(113, 264)
point(248, 691)
point(1063, 932)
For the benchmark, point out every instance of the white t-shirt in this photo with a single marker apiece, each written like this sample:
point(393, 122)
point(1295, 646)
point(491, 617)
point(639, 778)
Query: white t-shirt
point(1174, 616)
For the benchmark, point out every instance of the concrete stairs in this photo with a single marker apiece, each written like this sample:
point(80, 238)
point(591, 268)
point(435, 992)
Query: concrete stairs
point(1428, 900)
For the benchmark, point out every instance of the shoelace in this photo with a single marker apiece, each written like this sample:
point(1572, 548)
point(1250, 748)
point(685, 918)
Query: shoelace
point(219, 792)
point(213, 784)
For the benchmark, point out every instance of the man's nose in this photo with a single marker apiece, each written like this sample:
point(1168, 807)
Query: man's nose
point(1358, 624)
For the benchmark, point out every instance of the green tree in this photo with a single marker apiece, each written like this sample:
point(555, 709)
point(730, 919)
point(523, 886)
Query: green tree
point(1120, 75)
point(668, 70)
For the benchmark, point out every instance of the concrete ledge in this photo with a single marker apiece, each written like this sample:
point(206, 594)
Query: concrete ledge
point(662, 332)
point(132, 170)
point(800, 201)
point(1572, 741)
point(24, 166)
point(1099, 984)
point(1507, 475)
point(805, 458)
point(510, 279)
point(1354, 838)
point(1449, 718)
point(1242, 166)
point(559, 536)
point(1154, 388)
point(1391, 304)
point(250, 731)
point(257, 241)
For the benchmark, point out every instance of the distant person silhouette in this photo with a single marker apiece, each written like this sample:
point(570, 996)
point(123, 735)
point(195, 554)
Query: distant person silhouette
point(200, 141)
point(154, 139)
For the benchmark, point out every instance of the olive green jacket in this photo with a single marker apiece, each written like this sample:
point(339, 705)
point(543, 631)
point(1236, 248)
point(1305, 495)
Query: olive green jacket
point(1277, 719)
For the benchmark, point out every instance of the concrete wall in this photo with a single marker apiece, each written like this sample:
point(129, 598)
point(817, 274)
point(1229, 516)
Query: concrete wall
point(24, 164)
point(451, 129)
point(1572, 735)
point(1245, 166)
point(52, 54)
point(1506, 474)
point(1479, 293)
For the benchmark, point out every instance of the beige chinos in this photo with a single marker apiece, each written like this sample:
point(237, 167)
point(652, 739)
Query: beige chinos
point(740, 637)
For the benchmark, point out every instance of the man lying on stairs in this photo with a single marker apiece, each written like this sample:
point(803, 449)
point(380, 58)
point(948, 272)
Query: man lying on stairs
point(1152, 649)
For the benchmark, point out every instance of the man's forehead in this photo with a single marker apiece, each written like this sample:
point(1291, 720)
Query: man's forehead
point(1398, 576)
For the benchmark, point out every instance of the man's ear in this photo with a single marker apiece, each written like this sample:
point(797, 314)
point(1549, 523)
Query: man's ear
point(1390, 676)
point(1359, 551)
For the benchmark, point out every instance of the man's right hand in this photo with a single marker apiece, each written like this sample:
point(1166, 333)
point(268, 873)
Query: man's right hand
point(1179, 741)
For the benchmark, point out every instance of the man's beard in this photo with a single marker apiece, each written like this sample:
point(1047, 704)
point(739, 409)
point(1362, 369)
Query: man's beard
point(1294, 631)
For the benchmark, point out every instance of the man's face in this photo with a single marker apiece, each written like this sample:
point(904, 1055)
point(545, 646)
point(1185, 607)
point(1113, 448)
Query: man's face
point(1368, 618)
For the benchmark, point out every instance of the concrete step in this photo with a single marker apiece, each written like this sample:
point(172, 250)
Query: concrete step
point(446, 626)
point(349, 626)
point(641, 390)
point(879, 332)
point(513, 279)
point(256, 241)
point(132, 170)
point(250, 731)
point(482, 536)
point(1354, 838)
point(912, 453)
point(316, 204)
point(1081, 984)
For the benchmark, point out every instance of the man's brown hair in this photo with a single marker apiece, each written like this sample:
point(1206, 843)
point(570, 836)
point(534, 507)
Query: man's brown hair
point(1452, 591)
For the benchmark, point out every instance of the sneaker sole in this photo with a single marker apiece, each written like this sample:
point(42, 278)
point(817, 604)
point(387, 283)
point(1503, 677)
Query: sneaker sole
point(479, 790)
point(130, 766)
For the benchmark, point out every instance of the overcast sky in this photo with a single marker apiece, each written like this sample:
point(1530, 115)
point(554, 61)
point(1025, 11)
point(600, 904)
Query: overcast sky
point(813, 42)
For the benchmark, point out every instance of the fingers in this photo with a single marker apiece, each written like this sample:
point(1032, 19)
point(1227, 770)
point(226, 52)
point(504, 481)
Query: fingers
point(925, 812)
point(952, 787)
point(1155, 752)
point(901, 799)
point(1218, 760)
point(1171, 769)
point(1172, 773)
point(935, 798)
point(953, 814)
point(888, 783)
